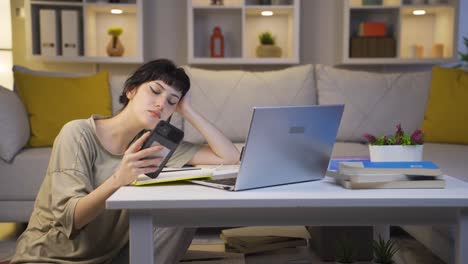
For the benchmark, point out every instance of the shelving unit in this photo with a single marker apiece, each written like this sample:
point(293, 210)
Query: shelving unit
point(88, 30)
point(418, 39)
point(241, 22)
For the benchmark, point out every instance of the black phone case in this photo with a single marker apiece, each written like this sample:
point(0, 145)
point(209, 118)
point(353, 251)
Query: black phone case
point(166, 135)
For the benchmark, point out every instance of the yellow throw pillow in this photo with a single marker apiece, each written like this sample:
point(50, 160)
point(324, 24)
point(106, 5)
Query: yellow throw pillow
point(51, 102)
point(446, 115)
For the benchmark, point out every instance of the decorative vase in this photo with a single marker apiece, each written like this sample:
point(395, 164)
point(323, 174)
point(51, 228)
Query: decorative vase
point(115, 47)
point(396, 153)
point(268, 51)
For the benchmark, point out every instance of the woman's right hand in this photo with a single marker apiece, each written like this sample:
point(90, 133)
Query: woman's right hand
point(137, 161)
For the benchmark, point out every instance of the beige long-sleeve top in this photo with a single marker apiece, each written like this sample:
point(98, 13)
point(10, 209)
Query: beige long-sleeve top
point(78, 165)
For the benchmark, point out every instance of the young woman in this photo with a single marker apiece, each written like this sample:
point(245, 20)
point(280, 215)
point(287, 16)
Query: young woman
point(93, 158)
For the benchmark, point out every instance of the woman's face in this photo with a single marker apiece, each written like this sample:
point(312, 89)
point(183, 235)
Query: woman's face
point(153, 101)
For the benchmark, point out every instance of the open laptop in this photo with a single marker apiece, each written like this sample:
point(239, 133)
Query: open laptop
point(285, 144)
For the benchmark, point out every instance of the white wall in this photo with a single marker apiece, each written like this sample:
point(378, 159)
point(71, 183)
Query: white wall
point(5, 21)
point(463, 25)
point(6, 60)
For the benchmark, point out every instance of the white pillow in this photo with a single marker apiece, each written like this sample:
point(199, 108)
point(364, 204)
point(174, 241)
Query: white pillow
point(374, 102)
point(14, 128)
point(226, 98)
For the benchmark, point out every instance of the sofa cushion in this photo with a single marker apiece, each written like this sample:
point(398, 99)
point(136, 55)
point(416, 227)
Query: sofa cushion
point(15, 129)
point(116, 82)
point(53, 101)
point(446, 115)
point(374, 102)
point(20, 180)
point(226, 98)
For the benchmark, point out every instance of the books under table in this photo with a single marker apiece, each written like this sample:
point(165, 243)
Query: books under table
point(387, 175)
point(250, 240)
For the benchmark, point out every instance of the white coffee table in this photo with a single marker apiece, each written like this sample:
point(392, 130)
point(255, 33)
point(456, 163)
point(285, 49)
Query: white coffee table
point(310, 203)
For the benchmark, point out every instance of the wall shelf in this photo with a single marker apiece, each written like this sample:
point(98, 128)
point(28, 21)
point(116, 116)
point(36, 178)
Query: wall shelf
point(418, 39)
point(82, 36)
point(241, 22)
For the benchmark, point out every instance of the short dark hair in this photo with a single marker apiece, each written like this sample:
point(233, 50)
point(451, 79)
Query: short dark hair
point(161, 69)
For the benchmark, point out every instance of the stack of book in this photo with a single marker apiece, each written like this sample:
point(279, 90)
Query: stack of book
point(249, 240)
point(372, 47)
point(389, 175)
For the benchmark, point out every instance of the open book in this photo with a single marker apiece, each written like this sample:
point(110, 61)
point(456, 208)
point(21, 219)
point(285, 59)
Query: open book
point(173, 175)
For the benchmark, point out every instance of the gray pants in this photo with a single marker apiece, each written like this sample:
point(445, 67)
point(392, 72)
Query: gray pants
point(170, 245)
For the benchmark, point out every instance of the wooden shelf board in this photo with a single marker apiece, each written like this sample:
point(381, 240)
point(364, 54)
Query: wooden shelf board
point(395, 61)
point(89, 59)
point(244, 61)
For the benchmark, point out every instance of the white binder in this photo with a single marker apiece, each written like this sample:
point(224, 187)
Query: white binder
point(70, 32)
point(48, 32)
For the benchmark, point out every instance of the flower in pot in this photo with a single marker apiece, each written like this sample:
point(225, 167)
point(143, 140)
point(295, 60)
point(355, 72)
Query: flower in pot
point(398, 147)
point(267, 47)
point(384, 251)
point(115, 47)
point(345, 251)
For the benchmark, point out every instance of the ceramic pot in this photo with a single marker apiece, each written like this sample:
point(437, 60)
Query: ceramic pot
point(396, 153)
point(115, 47)
point(268, 51)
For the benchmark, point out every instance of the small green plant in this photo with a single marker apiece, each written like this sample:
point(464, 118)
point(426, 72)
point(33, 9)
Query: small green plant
point(464, 56)
point(345, 250)
point(384, 250)
point(115, 31)
point(399, 138)
point(266, 38)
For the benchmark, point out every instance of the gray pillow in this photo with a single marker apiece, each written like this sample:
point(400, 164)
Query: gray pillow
point(374, 102)
point(14, 131)
point(226, 97)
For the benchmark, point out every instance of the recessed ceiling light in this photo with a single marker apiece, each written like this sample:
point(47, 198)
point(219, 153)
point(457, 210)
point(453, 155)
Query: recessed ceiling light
point(267, 13)
point(419, 12)
point(116, 11)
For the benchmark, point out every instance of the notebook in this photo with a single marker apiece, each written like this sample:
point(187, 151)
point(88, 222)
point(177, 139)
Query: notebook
point(285, 144)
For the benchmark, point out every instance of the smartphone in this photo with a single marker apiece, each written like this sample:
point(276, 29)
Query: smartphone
point(169, 137)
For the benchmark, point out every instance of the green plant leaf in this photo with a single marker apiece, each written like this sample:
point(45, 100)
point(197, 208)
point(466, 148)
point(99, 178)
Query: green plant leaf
point(266, 38)
point(384, 250)
point(345, 250)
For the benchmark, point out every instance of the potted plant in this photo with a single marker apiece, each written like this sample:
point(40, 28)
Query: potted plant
point(115, 47)
point(267, 47)
point(398, 147)
point(345, 251)
point(384, 251)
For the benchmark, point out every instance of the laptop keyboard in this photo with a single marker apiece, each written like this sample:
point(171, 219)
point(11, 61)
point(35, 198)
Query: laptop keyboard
point(226, 181)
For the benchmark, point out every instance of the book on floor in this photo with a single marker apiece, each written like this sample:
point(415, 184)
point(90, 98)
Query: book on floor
point(249, 240)
point(256, 231)
point(252, 241)
point(287, 243)
point(174, 175)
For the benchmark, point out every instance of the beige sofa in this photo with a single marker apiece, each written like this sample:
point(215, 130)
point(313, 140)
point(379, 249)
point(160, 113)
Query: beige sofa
point(375, 103)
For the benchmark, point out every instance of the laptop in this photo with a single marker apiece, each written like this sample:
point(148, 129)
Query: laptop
point(285, 144)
